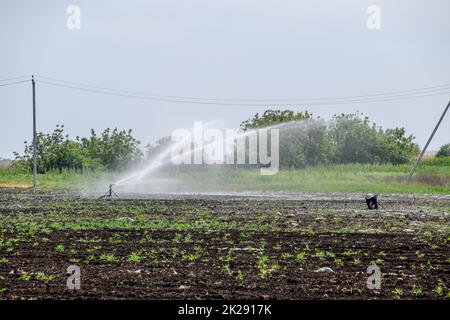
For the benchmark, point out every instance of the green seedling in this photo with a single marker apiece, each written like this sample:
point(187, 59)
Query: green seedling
point(109, 258)
point(43, 277)
point(134, 257)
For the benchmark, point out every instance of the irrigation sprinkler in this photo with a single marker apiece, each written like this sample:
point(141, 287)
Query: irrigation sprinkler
point(110, 193)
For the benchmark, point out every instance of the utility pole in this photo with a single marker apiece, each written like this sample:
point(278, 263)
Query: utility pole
point(34, 133)
point(416, 163)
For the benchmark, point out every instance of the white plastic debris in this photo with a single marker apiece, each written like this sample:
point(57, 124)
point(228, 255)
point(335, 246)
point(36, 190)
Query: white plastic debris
point(126, 218)
point(324, 269)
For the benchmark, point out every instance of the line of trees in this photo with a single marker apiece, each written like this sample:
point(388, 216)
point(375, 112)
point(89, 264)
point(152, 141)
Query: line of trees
point(305, 141)
point(113, 150)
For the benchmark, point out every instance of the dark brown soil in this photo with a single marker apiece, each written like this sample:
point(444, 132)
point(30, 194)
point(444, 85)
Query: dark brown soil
point(250, 249)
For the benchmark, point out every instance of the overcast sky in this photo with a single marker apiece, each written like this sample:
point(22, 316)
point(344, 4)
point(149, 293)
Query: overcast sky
point(241, 49)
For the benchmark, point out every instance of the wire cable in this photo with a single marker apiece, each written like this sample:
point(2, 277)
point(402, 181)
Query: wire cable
point(14, 78)
point(265, 103)
point(368, 98)
point(439, 89)
point(11, 83)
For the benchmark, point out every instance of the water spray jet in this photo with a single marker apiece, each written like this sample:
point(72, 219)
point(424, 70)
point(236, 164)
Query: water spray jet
point(167, 155)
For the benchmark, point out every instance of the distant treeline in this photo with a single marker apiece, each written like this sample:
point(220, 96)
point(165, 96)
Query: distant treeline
point(346, 138)
point(113, 150)
point(305, 141)
point(5, 162)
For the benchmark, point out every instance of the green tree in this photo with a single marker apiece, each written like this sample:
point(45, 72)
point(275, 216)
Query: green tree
point(54, 151)
point(444, 151)
point(152, 150)
point(113, 150)
point(354, 139)
point(346, 138)
point(303, 139)
point(394, 146)
point(273, 117)
point(116, 149)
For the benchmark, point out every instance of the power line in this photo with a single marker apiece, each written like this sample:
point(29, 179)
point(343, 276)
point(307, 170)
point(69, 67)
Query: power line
point(15, 78)
point(11, 83)
point(360, 99)
point(438, 89)
point(380, 98)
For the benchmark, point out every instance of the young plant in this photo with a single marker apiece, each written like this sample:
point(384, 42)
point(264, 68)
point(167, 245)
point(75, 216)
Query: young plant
point(286, 255)
point(276, 247)
point(338, 261)
point(43, 277)
point(226, 269)
point(264, 268)
point(301, 257)
point(377, 262)
point(240, 276)
point(349, 253)
point(417, 291)
point(397, 293)
point(25, 276)
point(134, 257)
point(320, 254)
point(109, 257)
point(440, 288)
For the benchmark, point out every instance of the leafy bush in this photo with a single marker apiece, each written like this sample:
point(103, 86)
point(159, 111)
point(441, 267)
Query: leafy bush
point(444, 151)
point(438, 161)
